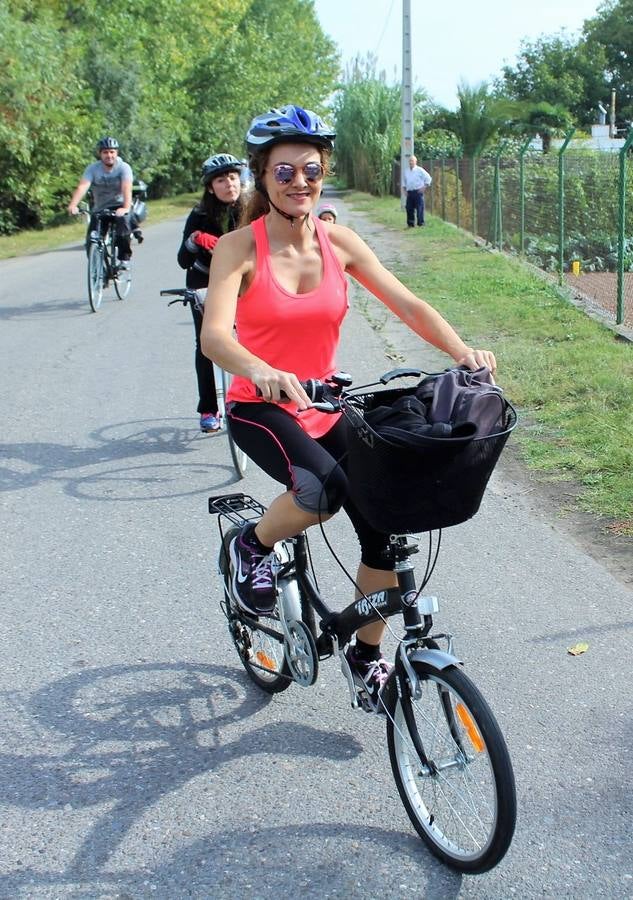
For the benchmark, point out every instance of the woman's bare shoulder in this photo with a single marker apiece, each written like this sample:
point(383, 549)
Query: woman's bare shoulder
point(346, 242)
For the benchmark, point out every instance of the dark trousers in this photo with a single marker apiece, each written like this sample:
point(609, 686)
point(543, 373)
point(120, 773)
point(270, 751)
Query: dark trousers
point(208, 402)
point(123, 229)
point(415, 207)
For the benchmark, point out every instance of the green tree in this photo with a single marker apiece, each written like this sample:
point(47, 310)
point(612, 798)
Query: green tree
point(172, 79)
point(558, 70)
point(480, 118)
point(609, 35)
point(367, 112)
point(546, 120)
point(258, 68)
point(43, 119)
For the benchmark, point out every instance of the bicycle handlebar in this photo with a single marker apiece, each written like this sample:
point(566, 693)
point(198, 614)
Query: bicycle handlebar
point(185, 296)
point(326, 395)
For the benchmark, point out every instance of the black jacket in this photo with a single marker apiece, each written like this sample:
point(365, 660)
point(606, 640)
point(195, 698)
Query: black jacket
point(195, 259)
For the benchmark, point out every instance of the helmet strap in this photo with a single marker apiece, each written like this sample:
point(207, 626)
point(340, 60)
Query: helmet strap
point(260, 187)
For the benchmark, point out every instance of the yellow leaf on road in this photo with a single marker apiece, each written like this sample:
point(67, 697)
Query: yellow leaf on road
point(577, 649)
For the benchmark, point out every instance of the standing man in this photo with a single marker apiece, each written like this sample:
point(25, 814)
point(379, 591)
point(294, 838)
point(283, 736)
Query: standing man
point(415, 183)
point(110, 180)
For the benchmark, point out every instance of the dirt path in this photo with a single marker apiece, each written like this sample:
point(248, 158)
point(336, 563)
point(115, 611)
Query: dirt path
point(555, 503)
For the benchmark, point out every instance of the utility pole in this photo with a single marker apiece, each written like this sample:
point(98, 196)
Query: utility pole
point(406, 148)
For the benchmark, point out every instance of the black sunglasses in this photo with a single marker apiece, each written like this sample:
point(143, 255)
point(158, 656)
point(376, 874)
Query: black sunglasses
point(283, 173)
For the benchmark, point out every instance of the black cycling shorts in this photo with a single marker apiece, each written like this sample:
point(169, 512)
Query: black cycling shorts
point(307, 466)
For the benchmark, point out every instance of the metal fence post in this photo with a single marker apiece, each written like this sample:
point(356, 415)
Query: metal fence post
point(561, 205)
point(443, 171)
point(473, 172)
point(458, 190)
point(522, 153)
point(619, 317)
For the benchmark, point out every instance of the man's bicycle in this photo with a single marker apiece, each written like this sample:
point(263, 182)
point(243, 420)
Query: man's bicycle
point(448, 755)
point(222, 378)
point(104, 265)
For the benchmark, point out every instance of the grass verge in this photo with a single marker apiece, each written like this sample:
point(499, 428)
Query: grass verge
point(571, 377)
point(26, 242)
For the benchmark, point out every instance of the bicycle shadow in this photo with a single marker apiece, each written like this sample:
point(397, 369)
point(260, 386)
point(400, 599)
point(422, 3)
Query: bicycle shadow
point(46, 308)
point(128, 736)
point(308, 861)
point(30, 464)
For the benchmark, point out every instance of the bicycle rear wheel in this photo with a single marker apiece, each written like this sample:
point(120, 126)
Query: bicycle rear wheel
point(462, 799)
point(261, 654)
point(240, 459)
point(95, 275)
point(122, 281)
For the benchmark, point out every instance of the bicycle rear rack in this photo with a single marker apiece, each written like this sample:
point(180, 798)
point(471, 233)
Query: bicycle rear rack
point(237, 508)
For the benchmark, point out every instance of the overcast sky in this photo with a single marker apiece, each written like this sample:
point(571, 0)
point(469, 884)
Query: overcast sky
point(451, 41)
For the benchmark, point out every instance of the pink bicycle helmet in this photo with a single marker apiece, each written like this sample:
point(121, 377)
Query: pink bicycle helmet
point(327, 208)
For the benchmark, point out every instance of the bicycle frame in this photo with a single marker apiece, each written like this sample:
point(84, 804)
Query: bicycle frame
point(337, 628)
point(107, 240)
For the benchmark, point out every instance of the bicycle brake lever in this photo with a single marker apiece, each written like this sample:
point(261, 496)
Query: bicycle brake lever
point(327, 406)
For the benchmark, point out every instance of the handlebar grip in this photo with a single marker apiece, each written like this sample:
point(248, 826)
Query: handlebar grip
point(313, 388)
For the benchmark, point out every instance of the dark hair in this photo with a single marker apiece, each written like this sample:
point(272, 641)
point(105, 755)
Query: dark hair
point(258, 204)
point(220, 215)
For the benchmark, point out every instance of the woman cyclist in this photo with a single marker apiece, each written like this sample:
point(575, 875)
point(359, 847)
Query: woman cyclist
point(218, 211)
point(282, 281)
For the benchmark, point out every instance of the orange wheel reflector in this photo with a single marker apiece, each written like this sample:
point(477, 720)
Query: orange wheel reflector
point(471, 729)
point(266, 661)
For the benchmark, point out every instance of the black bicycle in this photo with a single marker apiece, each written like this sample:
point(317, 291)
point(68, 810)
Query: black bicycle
point(448, 754)
point(104, 265)
point(222, 378)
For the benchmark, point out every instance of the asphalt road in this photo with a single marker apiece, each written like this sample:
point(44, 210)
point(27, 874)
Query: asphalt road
point(137, 758)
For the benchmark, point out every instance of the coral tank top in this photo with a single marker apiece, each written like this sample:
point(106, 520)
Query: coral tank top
point(294, 332)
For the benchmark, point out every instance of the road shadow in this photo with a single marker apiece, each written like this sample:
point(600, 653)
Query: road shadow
point(28, 464)
point(52, 306)
point(124, 737)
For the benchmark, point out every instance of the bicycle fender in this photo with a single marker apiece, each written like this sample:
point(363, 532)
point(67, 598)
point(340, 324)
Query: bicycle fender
point(438, 659)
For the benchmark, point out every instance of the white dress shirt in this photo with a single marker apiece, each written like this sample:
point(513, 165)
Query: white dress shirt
point(415, 178)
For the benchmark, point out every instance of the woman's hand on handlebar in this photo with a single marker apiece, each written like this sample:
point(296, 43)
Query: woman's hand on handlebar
point(276, 386)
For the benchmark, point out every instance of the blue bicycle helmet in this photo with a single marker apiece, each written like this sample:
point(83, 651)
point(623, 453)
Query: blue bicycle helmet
point(290, 123)
point(107, 143)
point(218, 165)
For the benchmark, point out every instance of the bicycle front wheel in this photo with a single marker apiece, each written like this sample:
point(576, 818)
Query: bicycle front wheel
point(95, 276)
point(453, 769)
point(240, 459)
point(261, 654)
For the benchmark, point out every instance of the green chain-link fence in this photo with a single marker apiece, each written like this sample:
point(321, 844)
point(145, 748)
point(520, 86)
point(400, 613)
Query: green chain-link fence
point(567, 211)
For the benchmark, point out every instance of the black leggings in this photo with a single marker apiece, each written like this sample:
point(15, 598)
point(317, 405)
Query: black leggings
point(207, 397)
point(307, 466)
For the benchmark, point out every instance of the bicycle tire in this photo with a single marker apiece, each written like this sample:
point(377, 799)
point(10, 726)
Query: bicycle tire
point(122, 281)
point(463, 805)
point(262, 656)
point(240, 459)
point(95, 275)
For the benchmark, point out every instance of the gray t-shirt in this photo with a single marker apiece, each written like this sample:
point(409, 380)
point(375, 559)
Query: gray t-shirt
point(106, 186)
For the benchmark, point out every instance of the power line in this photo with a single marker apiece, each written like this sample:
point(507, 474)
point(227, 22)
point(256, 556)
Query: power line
point(384, 28)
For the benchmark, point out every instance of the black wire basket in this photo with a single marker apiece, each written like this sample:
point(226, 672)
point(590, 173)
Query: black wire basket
point(404, 489)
